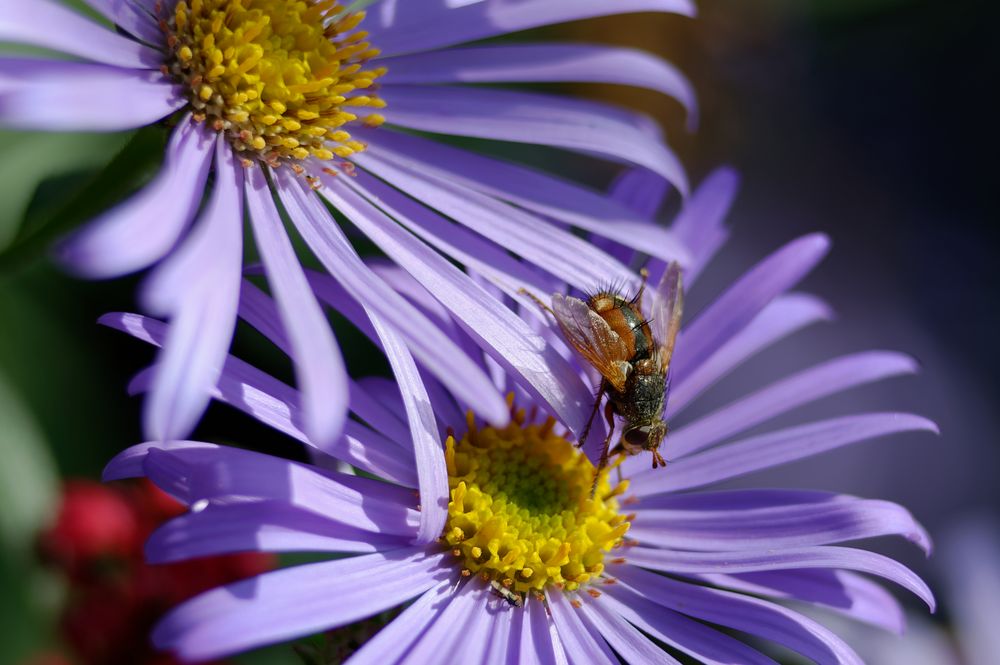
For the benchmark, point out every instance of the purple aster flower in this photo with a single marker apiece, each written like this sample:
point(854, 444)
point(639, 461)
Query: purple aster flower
point(505, 555)
point(273, 99)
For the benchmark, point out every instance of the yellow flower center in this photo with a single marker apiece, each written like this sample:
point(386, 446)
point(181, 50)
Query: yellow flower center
point(276, 76)
point(520, 513)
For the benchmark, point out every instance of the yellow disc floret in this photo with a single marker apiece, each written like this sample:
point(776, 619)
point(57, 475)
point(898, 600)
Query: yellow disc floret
point(278, 77)
point(521, 512)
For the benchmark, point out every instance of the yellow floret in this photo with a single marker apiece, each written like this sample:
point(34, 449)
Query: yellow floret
point(275, 74)
point(520, 510)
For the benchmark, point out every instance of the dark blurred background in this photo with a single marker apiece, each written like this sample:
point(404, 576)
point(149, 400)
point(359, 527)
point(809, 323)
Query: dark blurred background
point(866, 119)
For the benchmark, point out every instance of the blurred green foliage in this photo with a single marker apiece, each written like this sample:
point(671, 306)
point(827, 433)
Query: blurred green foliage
point(28, 478)
point(28, 495)
point(30, 158)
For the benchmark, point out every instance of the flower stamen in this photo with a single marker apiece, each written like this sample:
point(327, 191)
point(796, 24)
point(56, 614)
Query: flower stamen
point(520, 512)
point(275, 76)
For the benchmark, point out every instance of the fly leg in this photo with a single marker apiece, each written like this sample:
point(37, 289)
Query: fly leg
point(593, 413)
point(541, 305)
point(642, 289)
point(658, 460)
point(609, 415)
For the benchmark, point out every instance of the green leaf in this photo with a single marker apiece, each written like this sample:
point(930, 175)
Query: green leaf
point(31, 157)
point(131, 168)
point(83, 8)
point(31, 598)
point(28, 480)
point(65, 368)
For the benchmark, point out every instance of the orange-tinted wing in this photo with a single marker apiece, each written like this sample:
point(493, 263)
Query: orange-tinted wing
point(593, 338)
point(668, 307)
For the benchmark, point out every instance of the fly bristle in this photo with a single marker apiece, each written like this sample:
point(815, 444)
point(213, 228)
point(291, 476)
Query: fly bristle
point(617, 289)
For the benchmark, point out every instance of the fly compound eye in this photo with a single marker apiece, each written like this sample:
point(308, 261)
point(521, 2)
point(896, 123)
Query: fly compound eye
point(636, 439)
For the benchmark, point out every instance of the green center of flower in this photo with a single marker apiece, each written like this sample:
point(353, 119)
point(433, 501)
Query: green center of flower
point(276, 76)
point(520, 512)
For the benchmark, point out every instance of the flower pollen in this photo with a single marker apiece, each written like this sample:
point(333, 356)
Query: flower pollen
point(520, 511)
point(276, 76)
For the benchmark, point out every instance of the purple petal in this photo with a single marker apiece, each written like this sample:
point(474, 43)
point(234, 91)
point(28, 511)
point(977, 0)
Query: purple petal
point(189, 365)
point(620, 606)
point(793, 519)
point(568, 257)
point(457, 241)
point(398, 26)
point(785, 315)
point(211, 250)
point(277, 405)
point(699, 226)
point(784, 559)
point(142, 230)
point(259, 526)
point(319, 367)
point(534, 190)
point(624, 638)
point(744, 613)
point(431, 468)
point(521, 117)
point(129, 462)
point(446, 408)
point(842, 591)
point(50, 25)
point(134, 19)
point(71, 96)
point(737, 307)
point(403, 283)
point(328, 291)
point(446, 635)
point(582, 644)
point(198, 286)
point(773, 449)
point(536, 637)
point(783, 396)
point(508, 338)
point(545, 63)
point(194, 473)
point(502, 638)
point(391, 643)
point(370, 451)
point(517, 653)
point(430, 345)
point(294, 602)
point(377, 401)
point(259, 310)
point(640, 190)
point(484, 639)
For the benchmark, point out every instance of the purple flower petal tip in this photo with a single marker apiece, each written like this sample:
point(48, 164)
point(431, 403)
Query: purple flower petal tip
point(815, 244)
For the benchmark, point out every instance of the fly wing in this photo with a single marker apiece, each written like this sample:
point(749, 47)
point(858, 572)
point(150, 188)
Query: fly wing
point(668, 307)
point(593, 338)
